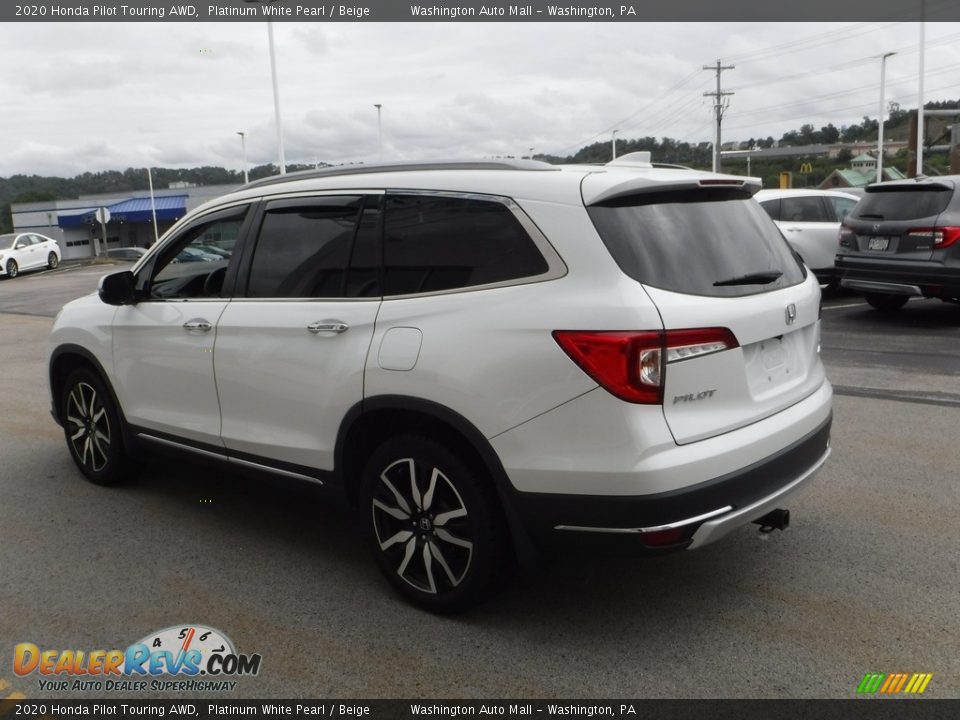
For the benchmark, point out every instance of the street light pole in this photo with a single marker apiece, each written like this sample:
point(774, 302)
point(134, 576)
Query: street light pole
point(880, 116)
point(613, 144)
point(153, 206)
point(243, 143)
point(923, 52)
point(276, 101)
point(379, 107)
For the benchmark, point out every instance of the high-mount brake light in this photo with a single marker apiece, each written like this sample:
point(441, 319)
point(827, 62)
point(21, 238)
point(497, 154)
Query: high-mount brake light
point(942, 237)
point(631, 365)
point(721, 181)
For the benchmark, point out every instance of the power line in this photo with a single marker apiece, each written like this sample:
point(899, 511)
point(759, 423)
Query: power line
point(624, 121)
point(720, 104)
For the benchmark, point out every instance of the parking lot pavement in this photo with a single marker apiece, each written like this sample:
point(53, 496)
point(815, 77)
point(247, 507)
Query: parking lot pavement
point(908, 354)
point(864, 580)
point(44, 293)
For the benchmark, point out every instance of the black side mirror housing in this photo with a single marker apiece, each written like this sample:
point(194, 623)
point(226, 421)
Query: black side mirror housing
point(118, 288)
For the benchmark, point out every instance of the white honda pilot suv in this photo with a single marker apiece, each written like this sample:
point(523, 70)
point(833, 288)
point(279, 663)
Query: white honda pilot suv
point(485, 358)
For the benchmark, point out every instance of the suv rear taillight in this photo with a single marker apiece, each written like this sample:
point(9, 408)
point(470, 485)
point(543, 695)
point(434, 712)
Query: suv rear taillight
point(631, 365)
point(848, 237)
point(942, 237)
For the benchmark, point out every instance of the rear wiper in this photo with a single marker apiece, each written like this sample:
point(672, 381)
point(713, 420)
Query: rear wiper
point(757, 278)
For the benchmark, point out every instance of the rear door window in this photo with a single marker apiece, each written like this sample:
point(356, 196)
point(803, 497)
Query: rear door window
point(687, 241)
point(437, 243)
point(804, 209)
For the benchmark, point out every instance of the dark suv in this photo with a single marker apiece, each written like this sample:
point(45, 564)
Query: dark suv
point(902, 240)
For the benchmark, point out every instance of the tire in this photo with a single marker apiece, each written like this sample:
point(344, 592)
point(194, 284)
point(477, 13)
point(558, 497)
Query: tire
point(12, 268)
point(885, 302)
point(52, 261)
point(92, 428)
point(434, 524)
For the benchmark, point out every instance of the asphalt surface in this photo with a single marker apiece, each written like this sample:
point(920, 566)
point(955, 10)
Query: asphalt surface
point(865, 580)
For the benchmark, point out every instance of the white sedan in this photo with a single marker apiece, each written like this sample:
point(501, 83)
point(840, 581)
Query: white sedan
point(27, 251)
point(810, 220)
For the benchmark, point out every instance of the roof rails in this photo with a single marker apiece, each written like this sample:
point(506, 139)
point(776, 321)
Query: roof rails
point(402, 167)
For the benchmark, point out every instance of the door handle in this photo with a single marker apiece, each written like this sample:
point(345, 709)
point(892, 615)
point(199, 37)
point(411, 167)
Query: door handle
point(331, 326)
point(197, 325)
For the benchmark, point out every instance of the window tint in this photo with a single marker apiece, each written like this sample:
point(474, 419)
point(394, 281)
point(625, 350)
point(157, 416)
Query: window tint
point(903, 203)
point(442, 243)
point(686, 241)
point(22, 243)
point(803, 209)
point(191, 267)
point(842, 206)
point(772, 208)
point(304, 247)
point(363, 277)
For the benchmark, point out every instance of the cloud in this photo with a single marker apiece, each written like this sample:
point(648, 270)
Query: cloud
point(87, 96)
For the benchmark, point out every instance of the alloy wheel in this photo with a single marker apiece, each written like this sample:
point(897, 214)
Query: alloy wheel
point(89, 427)
point(422, 526)
point(52, 261)
point(13, 269)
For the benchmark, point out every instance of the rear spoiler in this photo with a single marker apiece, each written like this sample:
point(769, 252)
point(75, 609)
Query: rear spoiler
point(640, 185)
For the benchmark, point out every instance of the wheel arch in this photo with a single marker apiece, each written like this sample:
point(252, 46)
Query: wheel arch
point(371, 421)
point(64, 360)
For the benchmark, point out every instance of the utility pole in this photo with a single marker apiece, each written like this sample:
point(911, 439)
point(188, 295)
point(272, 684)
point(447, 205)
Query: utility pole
point(719, 105)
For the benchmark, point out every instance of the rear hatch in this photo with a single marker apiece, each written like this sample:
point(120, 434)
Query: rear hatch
point(710, 259)
point(896, 221)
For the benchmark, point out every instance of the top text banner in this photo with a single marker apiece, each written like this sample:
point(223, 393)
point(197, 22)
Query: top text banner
point(474, 11)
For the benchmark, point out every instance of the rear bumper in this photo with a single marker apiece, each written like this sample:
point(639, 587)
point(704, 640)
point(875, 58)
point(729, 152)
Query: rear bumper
point(912, 278)
point(827, 274)
point(706, 511)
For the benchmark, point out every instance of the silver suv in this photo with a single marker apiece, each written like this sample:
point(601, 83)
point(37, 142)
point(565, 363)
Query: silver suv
point(485, 359)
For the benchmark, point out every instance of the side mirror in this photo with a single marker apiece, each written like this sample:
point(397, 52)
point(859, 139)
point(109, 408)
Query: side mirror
point(118, 288)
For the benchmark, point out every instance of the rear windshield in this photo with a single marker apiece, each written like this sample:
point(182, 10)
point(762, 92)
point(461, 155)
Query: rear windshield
point(687, 241)
point(904, 203)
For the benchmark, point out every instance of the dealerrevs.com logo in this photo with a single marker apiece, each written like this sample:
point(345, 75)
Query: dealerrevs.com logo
point(200, 659)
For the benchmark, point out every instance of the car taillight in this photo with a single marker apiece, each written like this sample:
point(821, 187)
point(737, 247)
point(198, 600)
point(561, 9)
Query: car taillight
point(942, 237)
point(631, 365)
point(848, 238)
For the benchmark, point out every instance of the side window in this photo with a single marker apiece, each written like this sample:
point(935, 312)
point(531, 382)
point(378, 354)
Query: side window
point(22, 243)
point(363, 277)
point(442, 243)
point(842, 207)
point(772, 207)
point(803, 209)
point(195, 265)
point(303, 248)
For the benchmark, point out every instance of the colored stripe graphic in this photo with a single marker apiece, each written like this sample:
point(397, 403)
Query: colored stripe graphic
point(871, 682)
point(894, 683)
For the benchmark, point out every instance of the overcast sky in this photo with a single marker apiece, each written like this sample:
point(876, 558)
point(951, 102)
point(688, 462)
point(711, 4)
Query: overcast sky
point(87, 97)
